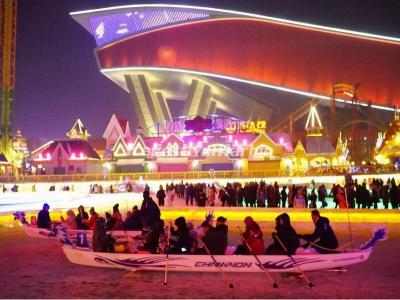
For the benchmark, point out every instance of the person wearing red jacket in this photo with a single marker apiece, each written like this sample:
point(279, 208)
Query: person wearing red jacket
point(255, 240)
point(253, 237)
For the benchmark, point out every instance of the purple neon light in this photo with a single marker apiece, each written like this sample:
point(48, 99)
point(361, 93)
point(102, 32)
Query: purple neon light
point(110, 28)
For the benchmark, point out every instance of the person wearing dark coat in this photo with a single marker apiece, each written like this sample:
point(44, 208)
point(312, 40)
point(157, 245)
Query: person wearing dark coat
point(286, 235)
point(150, 211)
point(213, 239)
point(393, 194)
point(134, 222)
point(180, 240)
point(43, 219)
point(82, 219)
point(110, 221)
point(385, 196)
point(161, 196)
point(323, 231)
point(223, 228)
point(201, 197)
point(101, 241)
point(313, 199)
point(284, 196)
point(152, 238)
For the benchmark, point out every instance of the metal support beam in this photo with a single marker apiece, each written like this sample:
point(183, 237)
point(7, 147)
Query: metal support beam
point(8, 25)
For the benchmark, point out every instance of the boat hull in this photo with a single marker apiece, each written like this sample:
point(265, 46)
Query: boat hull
point(204, 263)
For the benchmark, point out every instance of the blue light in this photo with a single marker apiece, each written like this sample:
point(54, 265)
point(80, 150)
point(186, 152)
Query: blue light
point(113, 27)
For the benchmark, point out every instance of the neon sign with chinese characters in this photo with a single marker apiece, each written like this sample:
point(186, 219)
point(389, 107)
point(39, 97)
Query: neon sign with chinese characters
point(248, 127)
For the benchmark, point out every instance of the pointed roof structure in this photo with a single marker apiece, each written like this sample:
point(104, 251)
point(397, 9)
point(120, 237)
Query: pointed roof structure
point(73, 148)
point(299, 147)
point(78, 131)
point(313, 124)
point(122, 123)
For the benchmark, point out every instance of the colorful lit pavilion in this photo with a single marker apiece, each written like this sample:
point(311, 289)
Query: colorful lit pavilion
point(228, 144)
point(387, 150)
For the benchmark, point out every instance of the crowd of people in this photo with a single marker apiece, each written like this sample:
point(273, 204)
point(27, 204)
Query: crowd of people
point(353, 194)
point(261, 194)
point(181, 237)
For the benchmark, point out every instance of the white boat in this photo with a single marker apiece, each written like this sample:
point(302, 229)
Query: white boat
point(228, 263)
point(35, 232)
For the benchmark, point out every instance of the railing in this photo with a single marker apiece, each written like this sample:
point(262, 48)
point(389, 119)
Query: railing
point(185, 175)
point(142, 176)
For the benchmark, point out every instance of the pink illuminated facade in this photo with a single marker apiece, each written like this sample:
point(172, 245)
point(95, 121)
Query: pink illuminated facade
point(246, 148)
point(72, 156)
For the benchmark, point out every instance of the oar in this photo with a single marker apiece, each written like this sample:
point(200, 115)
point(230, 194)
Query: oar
point(295, 263)
point(223, 275)
point(348, 218)
point(338, 249)
point(166, 263)
point(267, 273)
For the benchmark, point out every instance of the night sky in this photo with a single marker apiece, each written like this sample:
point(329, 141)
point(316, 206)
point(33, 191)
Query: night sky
point(57, 76)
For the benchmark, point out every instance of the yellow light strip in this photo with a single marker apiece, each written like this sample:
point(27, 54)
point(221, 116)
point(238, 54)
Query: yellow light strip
point(235, 214)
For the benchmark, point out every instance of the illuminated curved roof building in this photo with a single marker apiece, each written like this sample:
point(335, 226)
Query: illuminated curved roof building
point(160, 52)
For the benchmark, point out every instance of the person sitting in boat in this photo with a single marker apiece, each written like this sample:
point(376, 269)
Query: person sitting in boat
point(117, 217)
point(82, 219)
point(70, 221)
point(109, 221)
point(223, 228)
point(180, 240)
point(101, 241)
point(213, 239)
point(43, 219)
point(284, 234)
point(323, 231)
point(255, 240)
point(93, 218)
point(149, 211)
point(194, 235)
point(252, 234)
point(152, 238)
point(134, 220)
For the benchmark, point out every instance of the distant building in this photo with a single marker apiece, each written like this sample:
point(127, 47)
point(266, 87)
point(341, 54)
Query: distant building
point(78, 131)
point(5, 165)
point(73, 156)
point(387, 150)
point(21, 152)
point(234, 145)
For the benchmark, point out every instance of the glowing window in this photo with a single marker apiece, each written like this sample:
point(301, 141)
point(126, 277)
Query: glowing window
point(262, 151)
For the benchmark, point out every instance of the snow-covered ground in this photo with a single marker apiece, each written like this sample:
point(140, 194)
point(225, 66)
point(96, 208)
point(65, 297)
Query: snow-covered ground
point(29, 201)
point(33, 268)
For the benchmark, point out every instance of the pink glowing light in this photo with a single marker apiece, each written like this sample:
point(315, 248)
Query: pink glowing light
point(236, 142)
point(281, 141)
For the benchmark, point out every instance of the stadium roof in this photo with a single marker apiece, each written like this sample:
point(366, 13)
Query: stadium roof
point(286, 55)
